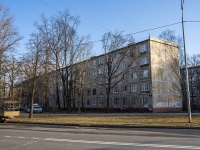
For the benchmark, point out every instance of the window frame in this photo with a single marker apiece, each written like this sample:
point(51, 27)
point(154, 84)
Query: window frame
point(144, 86)
point(134, 87)
point(143, 48)
point(134, 75)
point(116, 89)
point(145, 73)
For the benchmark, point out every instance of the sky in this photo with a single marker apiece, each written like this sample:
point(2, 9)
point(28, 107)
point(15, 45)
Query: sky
point(100, 16)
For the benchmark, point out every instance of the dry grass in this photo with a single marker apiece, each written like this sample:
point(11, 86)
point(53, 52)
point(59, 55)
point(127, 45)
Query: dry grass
point(176, 121)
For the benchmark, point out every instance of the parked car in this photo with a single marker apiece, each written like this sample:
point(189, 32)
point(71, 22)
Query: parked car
point(15, 108)
point(36, 109)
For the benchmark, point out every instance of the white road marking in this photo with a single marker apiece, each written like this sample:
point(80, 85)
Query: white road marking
point(123, 144)
point(108, 143)
point(8, 136)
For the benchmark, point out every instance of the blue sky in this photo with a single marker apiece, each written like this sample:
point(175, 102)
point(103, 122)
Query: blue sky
point(100, 16)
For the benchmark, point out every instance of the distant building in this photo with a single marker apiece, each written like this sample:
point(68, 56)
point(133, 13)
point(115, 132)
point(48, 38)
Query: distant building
point(194, 85)
point(151, 82)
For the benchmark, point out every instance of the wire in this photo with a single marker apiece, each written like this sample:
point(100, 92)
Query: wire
point(48, 5)
point(151, 29)
point(83, 22)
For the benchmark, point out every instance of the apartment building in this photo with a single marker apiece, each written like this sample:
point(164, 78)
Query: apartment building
point(147, 79)
point(194, 85)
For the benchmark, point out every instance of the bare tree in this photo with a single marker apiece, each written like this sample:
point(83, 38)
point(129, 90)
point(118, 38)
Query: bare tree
point(64, 48)
point(114, 57)
point(80, 69)
point(12, 70)
point(9, 36)
point(32, 65)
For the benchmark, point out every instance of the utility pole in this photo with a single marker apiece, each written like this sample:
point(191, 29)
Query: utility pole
point(186, 69)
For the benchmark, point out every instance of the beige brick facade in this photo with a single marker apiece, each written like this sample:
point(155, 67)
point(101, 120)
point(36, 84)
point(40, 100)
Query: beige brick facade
point(148, 83)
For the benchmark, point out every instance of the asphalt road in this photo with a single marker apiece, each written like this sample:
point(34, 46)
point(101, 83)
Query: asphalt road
point(53, 137)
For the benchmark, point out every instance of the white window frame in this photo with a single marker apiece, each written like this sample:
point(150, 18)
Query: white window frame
point(94, 62)
point(144, 61)
point(116, 89)
point(100, 70)
point(145, 73)
point(145, 100)
point(133, 64)
point(125, 88)
point(145, 87)
point(94, 72)
point(143, 48)
point(134, 75)
point(106, 69)
point(101, 60)
point(134, 87)
point(100, 80)
point(115, 68)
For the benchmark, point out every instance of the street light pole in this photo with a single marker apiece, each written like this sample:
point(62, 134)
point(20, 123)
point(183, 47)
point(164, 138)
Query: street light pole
point(186, 69)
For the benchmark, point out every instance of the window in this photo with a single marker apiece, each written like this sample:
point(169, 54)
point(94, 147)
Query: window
point(94, 102)
point(124, 101)
point(106, 69)
point(134, 75)
point(100, 60)
point(100, 101)
point(116, 90)
point(88, 92)
point(94, 92)
point(145, 73)
point(123, 65)
point(123, 76)
point(115, 68)
point(145, 87)
point(133, 64)
point(88, 101)
point(116, 101)
point(100, 91)
point(87, 64)
point(125, 88)
point(134, 88)
point(114, 56)
point(94, 62)
point(100, 80)
point(144, 61)
point(94, 72)
point(133, 100)
point(143, 48)
point(145, 100)
point(100, 70)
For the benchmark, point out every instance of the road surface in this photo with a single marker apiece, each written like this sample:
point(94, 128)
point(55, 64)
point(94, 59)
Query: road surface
point(53, 137)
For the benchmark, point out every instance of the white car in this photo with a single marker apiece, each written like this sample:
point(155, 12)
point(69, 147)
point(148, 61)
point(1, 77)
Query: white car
point(36, 109)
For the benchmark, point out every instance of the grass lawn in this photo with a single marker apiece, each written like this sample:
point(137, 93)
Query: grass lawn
point(175, 121)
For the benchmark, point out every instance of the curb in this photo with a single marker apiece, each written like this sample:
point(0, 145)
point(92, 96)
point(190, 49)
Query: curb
point(104, 126)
